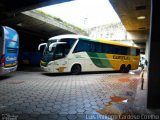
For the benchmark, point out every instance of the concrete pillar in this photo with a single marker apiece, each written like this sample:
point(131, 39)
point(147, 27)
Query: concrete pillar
point(147, 50)
point(153, 97)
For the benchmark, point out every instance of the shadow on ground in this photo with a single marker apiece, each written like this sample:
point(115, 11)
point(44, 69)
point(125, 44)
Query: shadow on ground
point(84, 73)
point(5, 77)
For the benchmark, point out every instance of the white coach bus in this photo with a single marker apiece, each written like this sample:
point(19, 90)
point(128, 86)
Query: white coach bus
point(76, 54)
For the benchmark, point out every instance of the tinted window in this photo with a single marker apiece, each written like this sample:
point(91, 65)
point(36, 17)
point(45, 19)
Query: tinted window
point(133, 51)
point(90, 46)
point(82, 46)
point(106, 48)
point(116, 50)
point(70, 42)
point(125, 50)
point(98, 47)
point(137, 52)
point(60, 51)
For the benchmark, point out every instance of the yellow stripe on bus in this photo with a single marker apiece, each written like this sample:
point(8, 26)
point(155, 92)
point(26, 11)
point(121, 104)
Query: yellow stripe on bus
point(115, 43)
point(117, 60)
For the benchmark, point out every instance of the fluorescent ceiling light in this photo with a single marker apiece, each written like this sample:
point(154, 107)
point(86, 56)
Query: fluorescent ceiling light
point(141, 17)
point(19, 24)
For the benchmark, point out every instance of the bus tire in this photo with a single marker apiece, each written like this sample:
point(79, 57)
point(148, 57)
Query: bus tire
point(128, 68)
point(122, 68)
point(76, 69)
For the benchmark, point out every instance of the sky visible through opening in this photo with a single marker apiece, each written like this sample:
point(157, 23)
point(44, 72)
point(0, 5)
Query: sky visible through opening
point(84, 13)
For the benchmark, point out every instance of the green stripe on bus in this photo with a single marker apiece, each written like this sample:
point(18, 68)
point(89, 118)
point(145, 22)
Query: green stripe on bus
point(87, 39)
point(99, 59)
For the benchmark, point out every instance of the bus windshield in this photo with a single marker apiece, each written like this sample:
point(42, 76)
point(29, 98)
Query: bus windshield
point(59, 51)
point(48, 55)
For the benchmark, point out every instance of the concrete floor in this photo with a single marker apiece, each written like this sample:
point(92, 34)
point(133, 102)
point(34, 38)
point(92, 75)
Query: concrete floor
point(35, 95)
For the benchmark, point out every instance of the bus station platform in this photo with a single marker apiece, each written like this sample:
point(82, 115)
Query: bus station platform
point(36, 95)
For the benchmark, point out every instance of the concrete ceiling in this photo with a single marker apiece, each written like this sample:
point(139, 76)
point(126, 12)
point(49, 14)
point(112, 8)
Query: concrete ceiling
point(33, 22)
point(39, 24)
point(26, 23)
point(128, 11)
point(16, 6)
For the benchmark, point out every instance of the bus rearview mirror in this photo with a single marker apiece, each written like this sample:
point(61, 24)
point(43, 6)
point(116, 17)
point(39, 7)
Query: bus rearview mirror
point(54, 45)
point(39, 47)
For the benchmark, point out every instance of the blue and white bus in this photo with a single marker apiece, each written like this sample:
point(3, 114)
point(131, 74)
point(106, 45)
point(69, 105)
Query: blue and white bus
point(9, 46)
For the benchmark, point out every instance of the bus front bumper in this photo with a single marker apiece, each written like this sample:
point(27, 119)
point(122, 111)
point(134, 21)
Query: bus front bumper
point(52, 69)
point(47, 69)
point(4, 70)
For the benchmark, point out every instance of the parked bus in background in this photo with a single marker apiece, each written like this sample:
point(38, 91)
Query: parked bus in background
point(9, 45)
point(75, 54)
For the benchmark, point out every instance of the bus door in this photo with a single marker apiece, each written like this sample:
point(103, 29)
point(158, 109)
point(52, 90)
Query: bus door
point(57, 51)
point(11, 45)
point(60, 56)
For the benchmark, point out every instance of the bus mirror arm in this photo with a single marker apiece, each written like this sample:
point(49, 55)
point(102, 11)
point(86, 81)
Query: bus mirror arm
point(54, 45)
point(39, 47)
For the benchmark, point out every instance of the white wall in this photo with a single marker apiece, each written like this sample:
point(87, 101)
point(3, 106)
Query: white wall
point(115, 32)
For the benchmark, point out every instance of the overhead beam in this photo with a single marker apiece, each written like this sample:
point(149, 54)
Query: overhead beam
point(15, 6)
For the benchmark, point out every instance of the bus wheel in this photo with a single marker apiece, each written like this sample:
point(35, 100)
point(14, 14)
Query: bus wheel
point(122, 68)
point(76, 69)
point(128, 68)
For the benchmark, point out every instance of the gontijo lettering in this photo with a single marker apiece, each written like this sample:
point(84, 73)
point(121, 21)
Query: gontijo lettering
point(121, 57)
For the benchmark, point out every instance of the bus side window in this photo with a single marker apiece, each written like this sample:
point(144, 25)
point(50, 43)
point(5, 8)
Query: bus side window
point(70, 42)
point(118, 50)
point(124, 50)
point(128, 51)
point(113, 49)
point(98, 48)
point(92, 46)
point(106, 48)
point(82, 46)
point(137, 52)
point(133, 51)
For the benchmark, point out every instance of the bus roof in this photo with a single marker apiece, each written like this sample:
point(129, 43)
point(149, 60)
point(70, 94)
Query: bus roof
point(91, 39)
point(68, 36)
point(115, 43)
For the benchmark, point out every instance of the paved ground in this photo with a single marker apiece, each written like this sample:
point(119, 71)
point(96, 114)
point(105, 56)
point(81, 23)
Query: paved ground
point(36, 95)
